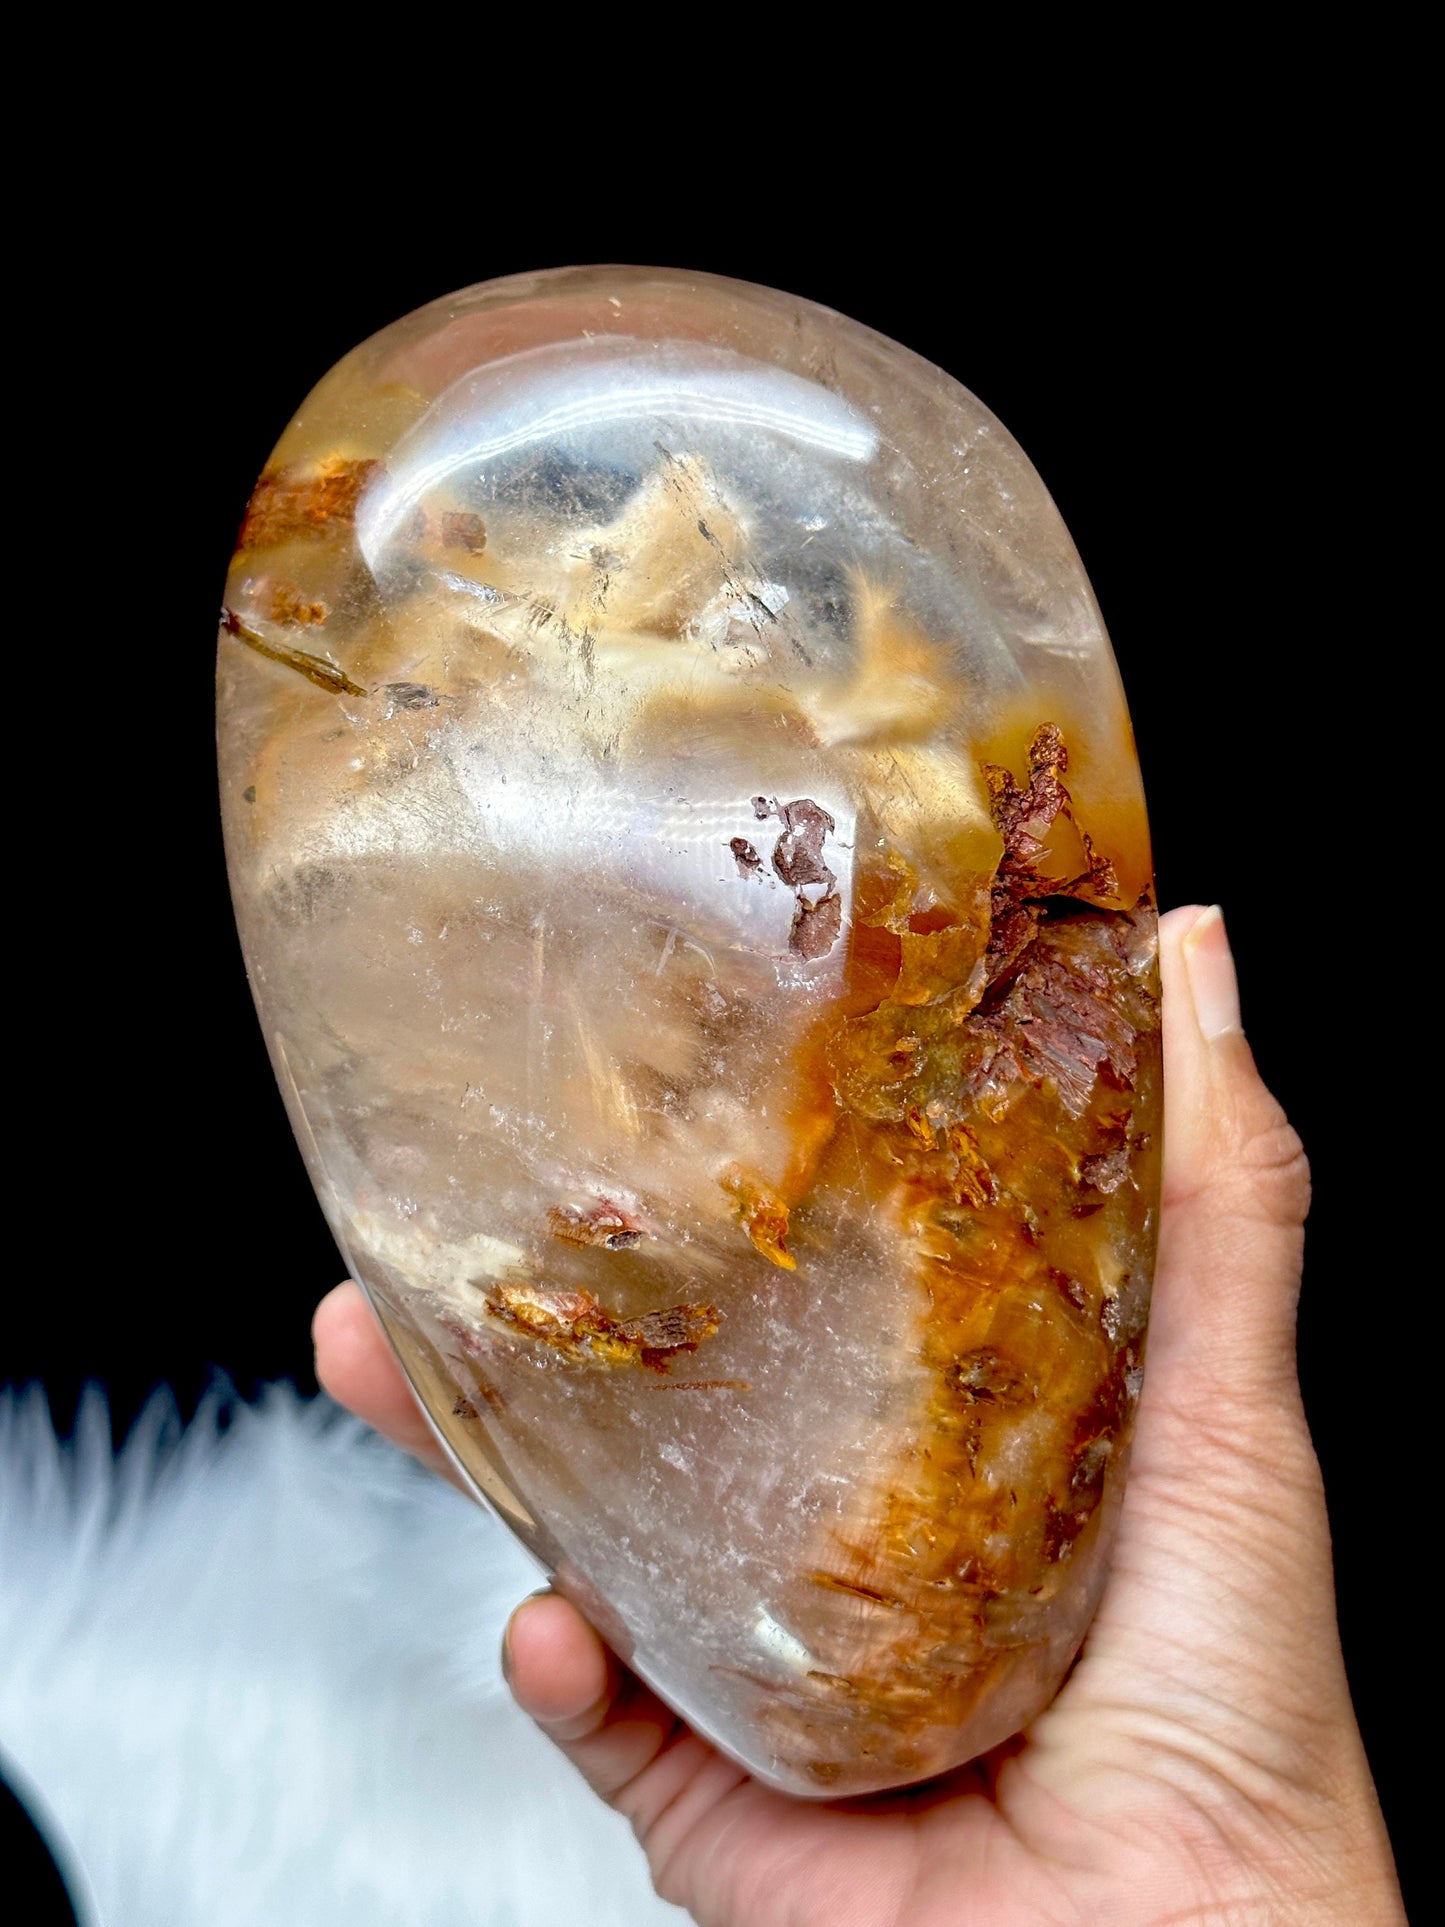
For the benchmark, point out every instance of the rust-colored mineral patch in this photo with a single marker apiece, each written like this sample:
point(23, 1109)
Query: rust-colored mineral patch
point(601, 1223)
point(763, 1212)
point(289, 606)
point(461, 529)
point(575, 1325)
point(992, 1120)
point(311, 500)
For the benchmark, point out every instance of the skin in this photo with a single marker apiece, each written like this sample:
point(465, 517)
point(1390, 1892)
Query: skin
point(1202, 1761)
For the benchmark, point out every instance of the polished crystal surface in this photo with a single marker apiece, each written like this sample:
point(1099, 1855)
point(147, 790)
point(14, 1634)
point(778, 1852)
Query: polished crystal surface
point(692, 865)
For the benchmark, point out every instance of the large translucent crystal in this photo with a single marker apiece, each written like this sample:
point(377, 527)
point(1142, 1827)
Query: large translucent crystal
point(692, 863)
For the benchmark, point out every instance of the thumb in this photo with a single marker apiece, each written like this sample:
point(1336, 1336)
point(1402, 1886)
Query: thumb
point(1213, 1667)
point(1236, 1188)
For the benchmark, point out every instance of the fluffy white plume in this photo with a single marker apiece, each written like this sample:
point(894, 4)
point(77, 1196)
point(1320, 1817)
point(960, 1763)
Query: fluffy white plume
point(253, 1672)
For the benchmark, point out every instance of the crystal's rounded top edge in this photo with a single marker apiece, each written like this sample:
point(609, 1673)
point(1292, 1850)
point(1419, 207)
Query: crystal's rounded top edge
point(612, 281)
point(580, 276)
point(597, 277)
point(603, 278)
point(589, 277)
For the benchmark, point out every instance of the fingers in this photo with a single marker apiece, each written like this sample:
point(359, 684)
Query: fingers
point(356, 1365)
point(1236, 1185)
point(628, 1746)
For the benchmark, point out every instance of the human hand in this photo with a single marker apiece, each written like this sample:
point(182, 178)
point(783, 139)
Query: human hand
point(1202, 1762)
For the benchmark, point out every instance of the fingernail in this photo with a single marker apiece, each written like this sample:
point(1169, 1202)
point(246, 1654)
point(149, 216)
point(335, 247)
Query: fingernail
point(1212, 980)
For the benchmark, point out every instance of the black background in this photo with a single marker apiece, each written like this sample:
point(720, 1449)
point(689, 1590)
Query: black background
point(1176, 355)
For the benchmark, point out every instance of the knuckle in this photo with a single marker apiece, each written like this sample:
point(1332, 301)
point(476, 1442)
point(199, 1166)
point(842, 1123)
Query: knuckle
point(1274, 1162)
point(1262, 1159)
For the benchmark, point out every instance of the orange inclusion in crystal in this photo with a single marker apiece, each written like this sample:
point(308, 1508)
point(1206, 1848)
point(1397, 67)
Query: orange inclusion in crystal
point(915, 1611)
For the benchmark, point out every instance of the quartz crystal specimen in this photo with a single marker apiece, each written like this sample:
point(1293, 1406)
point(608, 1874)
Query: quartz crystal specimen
point(693, 869)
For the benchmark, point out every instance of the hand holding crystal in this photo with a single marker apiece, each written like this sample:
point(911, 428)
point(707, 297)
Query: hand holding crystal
point(1202, 1761)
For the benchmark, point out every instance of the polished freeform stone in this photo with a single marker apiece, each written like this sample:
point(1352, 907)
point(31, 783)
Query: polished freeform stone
point(692, 864)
